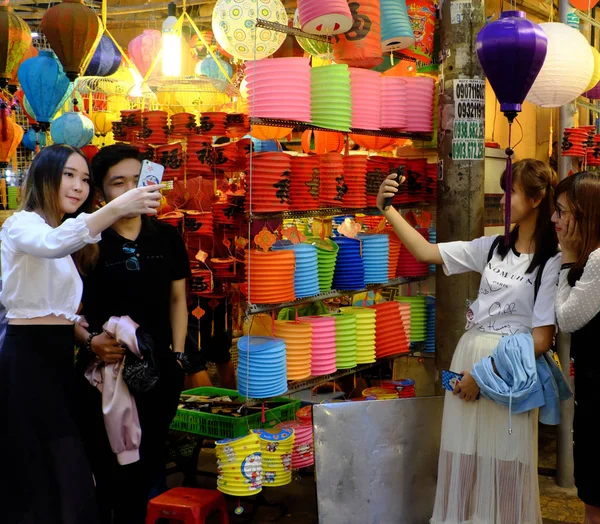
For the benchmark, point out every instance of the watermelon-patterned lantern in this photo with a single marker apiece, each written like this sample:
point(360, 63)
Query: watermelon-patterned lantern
point(15, 39)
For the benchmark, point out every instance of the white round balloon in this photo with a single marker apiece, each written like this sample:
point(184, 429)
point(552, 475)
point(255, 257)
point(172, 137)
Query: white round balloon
point(234, 27)
point(567, 70)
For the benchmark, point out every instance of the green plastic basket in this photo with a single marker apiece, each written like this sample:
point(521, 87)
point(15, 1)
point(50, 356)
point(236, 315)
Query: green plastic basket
point(221, 426)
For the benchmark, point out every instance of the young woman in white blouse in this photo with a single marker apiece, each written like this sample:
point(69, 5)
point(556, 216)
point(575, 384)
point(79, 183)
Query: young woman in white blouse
point(577, 221)
point(487, 475)
point(45, 477)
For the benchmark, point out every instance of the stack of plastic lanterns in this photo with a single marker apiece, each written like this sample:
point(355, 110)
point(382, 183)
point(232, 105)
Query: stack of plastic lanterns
point(408, 266)
point(306, 282)
point(390, 337)
point(303, 454)
point(239, 466)
point(298, 343)
point(349, 268)
point(276, 445)
point(366, 98)
point(375, 252)
point(331, 97)
point(355, 178)
point(262, 369)
point(327, 251)
point(270, 277)
point(430, 340)
point(365, 333)
point(279, 88)
point(345, 340)
point(304, 183)
point(419, 99)
point(393, 99)
point(418, 317)
point(323, 344)
point(269, 182)
point(332, 187)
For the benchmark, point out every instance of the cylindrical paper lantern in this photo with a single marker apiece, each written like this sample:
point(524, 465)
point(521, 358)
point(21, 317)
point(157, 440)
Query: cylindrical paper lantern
point(277, 445)
point(72, 128)
point(366, 99)
point(15, 36)
point(316, 48)
point(396, 28)
point(331, 97)
point(303, 454)
point(365, 333)
point(324, 17)
point(298, 343)
point(349, 268)
point(327, 252)
point(306, 272)
point(261, 369)
point(422, 17)
point(567, 70)
point(361, 45)
point(323, 344)
point(346, 325)
point(355, 177)
point(106, 59)
point(333, 187)
point(394, 103)
point(390, 337)
point(239, 466)
point(375, 252)
point(233, 24)
point(269, 182)
point(270, 276)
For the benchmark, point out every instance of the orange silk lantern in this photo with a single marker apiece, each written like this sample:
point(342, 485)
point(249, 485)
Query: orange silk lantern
point(375, 143)
point(14, 79)
point(15, 39)
point(11, 135)
point(73, 31)
point(270, 132)
point(361, 45)
point(324, 142)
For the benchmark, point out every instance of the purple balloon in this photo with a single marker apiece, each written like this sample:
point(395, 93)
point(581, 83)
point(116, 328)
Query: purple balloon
point(511, 51)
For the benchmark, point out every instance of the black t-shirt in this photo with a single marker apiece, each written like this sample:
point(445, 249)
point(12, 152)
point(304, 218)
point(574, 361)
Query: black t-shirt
point(133, 277)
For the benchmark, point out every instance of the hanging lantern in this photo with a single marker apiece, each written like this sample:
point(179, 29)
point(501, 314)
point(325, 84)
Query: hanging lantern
point(567, 70)
point(103, 121)
point(73, 31)
point(45, 85)
point(72, 128)
point(512, 51)
point(317, 48)
point(375, 143)
point(596, 75)
point(15, 39)
point(106, 60)
point(11, 135)
point(321, 142)
point(30, 139)
point(90, 151)
point(234, 27)
point(143, 49)
point(209, 68)
point(270, 132)
point(19, 97)
point(14, 79)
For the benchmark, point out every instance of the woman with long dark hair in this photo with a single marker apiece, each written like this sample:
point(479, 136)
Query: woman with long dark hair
point(487, 475)
point(45, 477)
point(577, 221)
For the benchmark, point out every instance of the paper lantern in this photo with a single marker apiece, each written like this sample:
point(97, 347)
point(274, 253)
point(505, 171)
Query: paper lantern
point(346, 338)
point(394, 113)
point(11, 135)
point(143, 49)
point(366, 98)
point(298, 342)
point(332, 186)
point(327, 252)
point(30, 140)
point(269, 182)
point(360, 46)
point(239, 466)
point(511, 51)
point(270, 276)
point(276, 445)
point(422, 18)
point(567, 70)
point(375, 251)
point(106, 59)
point(72, 128)
point(324, 17)
point(261, 370)
point(596, 75)
point(45, 85)
point(103, 121)
point(233, 24)
point(73, 31)
point(355, 177)
point(15, 40)
point(374, 143)
point(583, 5)
point(209, 67)
point(323, 344)
point(306, 274)
point(396, 29)
point(320, 142)
point(349, 269)
point(418, 317)
point(331, 97)
point(304, 183)
point(303, 454)
point(420, 92)
point(316, 48)
point(14, 80)
point(270, 132)
point(90, 151)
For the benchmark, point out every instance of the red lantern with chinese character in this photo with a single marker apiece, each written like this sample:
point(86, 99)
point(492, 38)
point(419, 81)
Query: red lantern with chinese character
point(15, 39)
point(73, 31)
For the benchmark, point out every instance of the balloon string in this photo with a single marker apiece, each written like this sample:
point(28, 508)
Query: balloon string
point(508, 188)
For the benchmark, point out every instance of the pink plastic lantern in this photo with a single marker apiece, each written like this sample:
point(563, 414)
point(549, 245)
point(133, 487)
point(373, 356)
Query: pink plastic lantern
point(393, 99)
point(419, 99)
point(143, 49)
point(366, 98)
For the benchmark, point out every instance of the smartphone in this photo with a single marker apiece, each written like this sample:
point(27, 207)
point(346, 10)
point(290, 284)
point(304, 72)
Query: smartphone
point(150, 174)
point(450, 379)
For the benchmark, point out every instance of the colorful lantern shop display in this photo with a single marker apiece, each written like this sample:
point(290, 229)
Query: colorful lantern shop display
point(360, 46)
point(270, 276)
point(73, 31)
point(331, 97)
point(375, 251)
point(73, 128)
point(298, 343)
point(262, 368)
point(324, 17)
point(234, 27)
point(277, 445)
point(106, 59)
point(567, 70)
point(422, 18)
point(396, 28)
point(239, 466)
point(11, 135)
point(365, 333)
point(317, 48)
point(143, 49)
point(15, 36)
point(45, 85)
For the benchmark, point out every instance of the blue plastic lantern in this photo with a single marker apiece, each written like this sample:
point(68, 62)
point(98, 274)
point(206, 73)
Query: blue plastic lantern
point(106, 60)
point(209, 68)
point(32, 139)
point(45, 85)
point(72, 128)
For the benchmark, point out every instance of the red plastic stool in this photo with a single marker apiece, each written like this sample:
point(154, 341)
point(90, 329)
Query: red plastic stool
point(190, 505)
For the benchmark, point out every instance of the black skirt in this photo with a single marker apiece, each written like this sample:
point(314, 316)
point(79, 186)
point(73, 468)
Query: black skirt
point(45, 478)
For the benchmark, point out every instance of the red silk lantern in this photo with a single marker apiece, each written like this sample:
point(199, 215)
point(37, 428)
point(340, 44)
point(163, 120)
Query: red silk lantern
point(324, 142)
point(11, 135)
point(15, 39)
point(361, 45)
point(14, 79)
point(73, 31)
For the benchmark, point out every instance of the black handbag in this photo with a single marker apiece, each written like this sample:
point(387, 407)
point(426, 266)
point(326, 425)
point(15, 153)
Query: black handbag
point(141, 375)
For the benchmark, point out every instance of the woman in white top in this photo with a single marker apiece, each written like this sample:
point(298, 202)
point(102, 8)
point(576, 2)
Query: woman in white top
point(577, 220)
point(45, 477)
point(487, 475)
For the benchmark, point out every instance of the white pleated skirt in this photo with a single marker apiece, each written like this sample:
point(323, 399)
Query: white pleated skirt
point(485, 474)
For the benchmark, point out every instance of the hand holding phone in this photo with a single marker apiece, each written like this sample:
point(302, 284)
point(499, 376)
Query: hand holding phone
point(151, 174)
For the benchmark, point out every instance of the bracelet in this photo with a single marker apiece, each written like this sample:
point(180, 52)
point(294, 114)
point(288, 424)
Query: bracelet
point(88, 344)
point(568, 265)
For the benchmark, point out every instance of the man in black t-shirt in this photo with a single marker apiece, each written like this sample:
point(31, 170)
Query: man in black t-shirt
point(140, 272)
